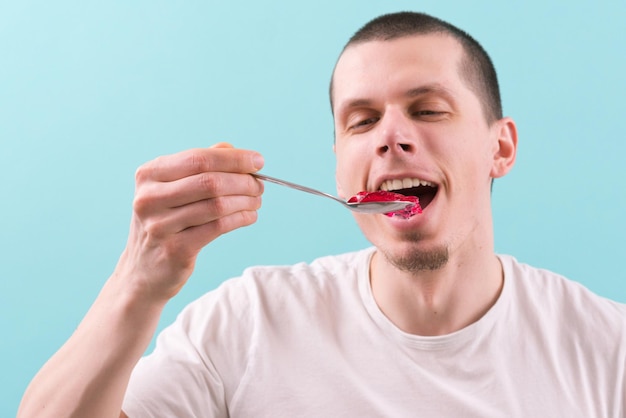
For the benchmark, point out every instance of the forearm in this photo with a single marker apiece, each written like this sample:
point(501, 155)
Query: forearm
point(182, 202)
point(88, 376)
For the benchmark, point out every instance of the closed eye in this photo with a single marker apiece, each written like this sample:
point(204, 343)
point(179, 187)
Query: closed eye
point(427, 112)
point(364, 122)
point(429, 115)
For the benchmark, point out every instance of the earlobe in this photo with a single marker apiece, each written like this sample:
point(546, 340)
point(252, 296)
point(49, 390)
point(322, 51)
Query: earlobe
point(505, 149)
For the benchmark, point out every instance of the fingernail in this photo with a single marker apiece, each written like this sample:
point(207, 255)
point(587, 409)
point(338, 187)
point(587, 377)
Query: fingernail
point(258, 161)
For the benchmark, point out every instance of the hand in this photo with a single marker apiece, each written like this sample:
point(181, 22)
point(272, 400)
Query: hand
point(183, 202)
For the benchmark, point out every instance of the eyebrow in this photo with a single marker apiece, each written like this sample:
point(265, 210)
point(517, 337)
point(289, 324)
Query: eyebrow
point(435, 88)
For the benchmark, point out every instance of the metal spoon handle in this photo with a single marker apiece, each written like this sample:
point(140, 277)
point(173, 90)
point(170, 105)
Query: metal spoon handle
point(296, 186)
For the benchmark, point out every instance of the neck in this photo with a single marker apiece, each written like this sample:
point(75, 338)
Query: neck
point(437, 302)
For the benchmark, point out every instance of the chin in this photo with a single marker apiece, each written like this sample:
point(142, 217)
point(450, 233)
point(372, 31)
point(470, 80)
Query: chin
point(414, 259)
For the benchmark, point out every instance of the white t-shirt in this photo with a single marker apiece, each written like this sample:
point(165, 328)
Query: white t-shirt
point(309, 341)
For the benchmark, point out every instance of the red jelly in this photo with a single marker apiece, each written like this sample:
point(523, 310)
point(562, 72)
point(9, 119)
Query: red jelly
point(383, 196)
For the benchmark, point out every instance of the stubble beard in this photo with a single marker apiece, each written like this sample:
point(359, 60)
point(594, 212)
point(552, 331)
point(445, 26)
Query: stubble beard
point(414, 261)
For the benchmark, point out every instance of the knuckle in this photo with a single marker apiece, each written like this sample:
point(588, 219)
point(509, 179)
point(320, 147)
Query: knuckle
point(236, 220)
point(197, 162)
point(142, 173)
point(259, 203)
point(217, 205)
point(246, 218)
point(209, 182)
point(154, 228)
point(220, 226)
point(141, 203)
point(256, 186)
point(249, 217)
point(149, 169)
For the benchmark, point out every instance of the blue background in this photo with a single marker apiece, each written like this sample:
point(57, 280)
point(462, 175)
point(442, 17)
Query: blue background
point(91, 90)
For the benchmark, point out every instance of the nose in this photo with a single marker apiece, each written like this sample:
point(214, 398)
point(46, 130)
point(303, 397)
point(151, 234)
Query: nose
point(396, 135)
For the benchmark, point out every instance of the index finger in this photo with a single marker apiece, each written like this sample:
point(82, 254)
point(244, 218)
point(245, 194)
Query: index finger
point(219, 158)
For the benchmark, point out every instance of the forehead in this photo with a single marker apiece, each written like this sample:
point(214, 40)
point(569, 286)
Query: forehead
point(368, 69)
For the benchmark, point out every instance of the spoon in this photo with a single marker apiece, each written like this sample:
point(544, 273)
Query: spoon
point(362, 207)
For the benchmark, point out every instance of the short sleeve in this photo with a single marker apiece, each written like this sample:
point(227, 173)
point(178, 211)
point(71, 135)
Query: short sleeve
point(197, 362)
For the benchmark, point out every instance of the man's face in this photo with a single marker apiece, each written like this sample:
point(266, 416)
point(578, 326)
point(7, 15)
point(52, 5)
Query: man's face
point(403, 117)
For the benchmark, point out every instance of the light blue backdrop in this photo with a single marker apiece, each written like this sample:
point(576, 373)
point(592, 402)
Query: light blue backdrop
point(90, 90)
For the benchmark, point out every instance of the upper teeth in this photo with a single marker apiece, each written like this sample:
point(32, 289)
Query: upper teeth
point(406, 183)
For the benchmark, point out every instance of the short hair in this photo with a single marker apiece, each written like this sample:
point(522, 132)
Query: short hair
point(476, 67)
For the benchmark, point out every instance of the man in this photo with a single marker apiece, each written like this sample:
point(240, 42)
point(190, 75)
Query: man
point(428, 322)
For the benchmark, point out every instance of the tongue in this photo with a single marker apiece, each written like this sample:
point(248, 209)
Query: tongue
point(383, 196)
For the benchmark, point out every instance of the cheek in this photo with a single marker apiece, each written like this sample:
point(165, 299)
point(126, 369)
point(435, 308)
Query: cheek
point(478, 169)
point(343, 179)
point(352, 166)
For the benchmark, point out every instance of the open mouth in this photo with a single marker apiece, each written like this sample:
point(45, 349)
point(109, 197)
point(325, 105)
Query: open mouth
point(425, 191)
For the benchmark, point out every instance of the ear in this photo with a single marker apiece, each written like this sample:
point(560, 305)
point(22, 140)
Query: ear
point(505, 147)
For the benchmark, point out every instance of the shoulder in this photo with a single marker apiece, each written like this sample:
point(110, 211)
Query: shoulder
point(552, 298)
point(543, 283)
point(333, 270)
point(331, 264)
point(305, 280)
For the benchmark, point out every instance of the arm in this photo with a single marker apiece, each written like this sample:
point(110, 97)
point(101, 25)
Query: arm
point(182, 202)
